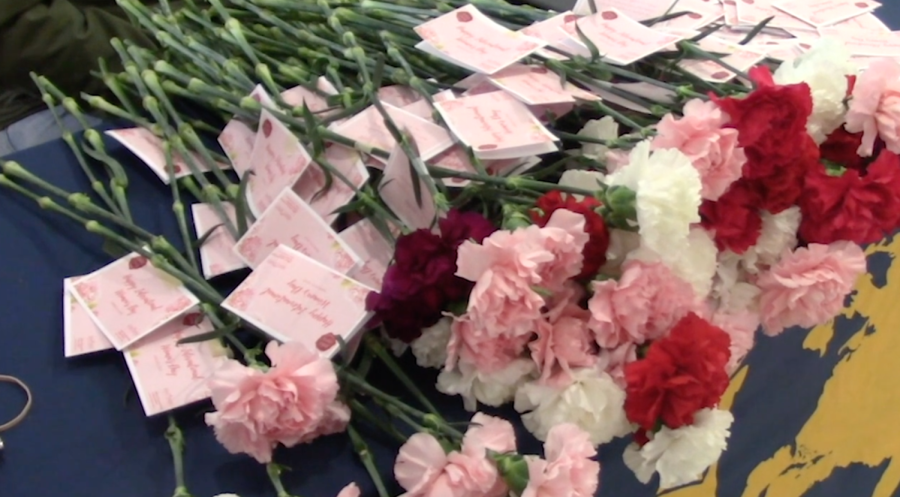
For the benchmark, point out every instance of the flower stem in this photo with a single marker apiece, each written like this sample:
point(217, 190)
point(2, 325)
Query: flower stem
point(362, 411)
point(176, 444)
point(378, 349)
point(274, 471)
point(362, 450)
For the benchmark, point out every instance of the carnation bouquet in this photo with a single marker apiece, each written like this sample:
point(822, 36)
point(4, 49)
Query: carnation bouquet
point(586, 215)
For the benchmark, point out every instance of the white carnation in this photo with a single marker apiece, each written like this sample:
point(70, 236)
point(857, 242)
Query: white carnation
point(825, 69)
point(681, 456)
point(592, 401)
point(579, 178)
point(599, 129)
point(779, 233)
point(430, 349)
point(494, 389)
point(668, 188)
point(697, 265)
point(731, 291)
point(621, 244)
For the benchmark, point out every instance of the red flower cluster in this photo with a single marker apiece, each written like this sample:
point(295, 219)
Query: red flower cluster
point(771, 124)
point(422, 282)
point(594, 252)
point(680, 375)
point(860, 205)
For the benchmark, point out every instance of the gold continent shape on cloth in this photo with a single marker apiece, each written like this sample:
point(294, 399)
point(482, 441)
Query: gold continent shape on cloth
point(856, 418)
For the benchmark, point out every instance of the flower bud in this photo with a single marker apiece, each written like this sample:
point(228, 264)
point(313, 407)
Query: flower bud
point(514, 470)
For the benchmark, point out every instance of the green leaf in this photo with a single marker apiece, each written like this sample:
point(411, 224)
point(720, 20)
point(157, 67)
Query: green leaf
point(755, 31)
point(212, 335)
point(595, 53)
point(205, 237)
point(242, 209)
point(113, 249)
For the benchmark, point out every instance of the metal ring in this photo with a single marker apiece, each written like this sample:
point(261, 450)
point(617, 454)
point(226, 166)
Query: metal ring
point(25, 410)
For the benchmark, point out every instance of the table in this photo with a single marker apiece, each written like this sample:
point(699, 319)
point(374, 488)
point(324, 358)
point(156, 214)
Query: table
point(814, 410)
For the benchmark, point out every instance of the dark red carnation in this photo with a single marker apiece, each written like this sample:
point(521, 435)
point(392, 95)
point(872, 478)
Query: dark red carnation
point(594, 252)
point(862, 207)
point(841, 148)
point(771, 123)
point(681, 374)
point(422, 281)
point(734, 217)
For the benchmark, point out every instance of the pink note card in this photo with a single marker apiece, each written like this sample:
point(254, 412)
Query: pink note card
point(237, 141)
point(533, 85)
point(293, 298)
point(699, 14)
point(866, 43)
point(639, 10)
point(81, 335)
point(396, 190)
point(278, 159)
point(549, 31)
point(262, 96)
point(346, 161)
point(863, 23)
point(374, 250)
point(470, 39)
point(217, 253)
point(619, 38)
point(740, 57)
point(315, 101)
point(752, 12)
point(398, 95)
point(168, 375)
point(455, 158)
point(822, 13)
point(291, 221)
point(129, 298)
point(149, 148)
point(368, 127)
point(496, 126)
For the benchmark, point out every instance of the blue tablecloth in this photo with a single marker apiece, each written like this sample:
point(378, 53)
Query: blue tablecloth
point(814, 410)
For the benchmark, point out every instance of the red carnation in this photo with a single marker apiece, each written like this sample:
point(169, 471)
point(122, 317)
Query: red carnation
point(771, 123)
point(841, 148)
point(594, 252)
point(860, 207)
point(680, 375)
point(734, 217)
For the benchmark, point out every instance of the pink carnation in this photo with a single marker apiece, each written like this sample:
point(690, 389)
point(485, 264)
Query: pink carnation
point(569, 468)
point(291, 403)
point(564, 341)
point(741, 328)
point(646, 301)
point(545, 256)
point(613, 361)
point(351, 490)
point(508, 264)
point(423, 468)
point(874, 109)
point(807, 287)
point(487, 352)
point(712, 148)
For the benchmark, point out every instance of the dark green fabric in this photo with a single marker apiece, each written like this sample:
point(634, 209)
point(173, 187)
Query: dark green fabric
point(60, 39)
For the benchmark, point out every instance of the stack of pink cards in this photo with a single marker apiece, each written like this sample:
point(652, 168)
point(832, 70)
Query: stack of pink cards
point(311, 183)
point(822, 13)
point(368, 128)
point(374, 250)
point(129, 299)
point(292, 222)
point(739, 57)
point(277, 161)
point(551, 33)
point(496, 125)
point(468, 38)
point(168, 375)
point(619, 38)
point(398, 193)
point(292, 297)
point(149, 148)
point(217, 253)
point(81, 335)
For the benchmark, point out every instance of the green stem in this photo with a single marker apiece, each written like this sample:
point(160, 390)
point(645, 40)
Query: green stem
point(176, 444)
point(378, 349)
point(274, 472)
point(362, 450)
